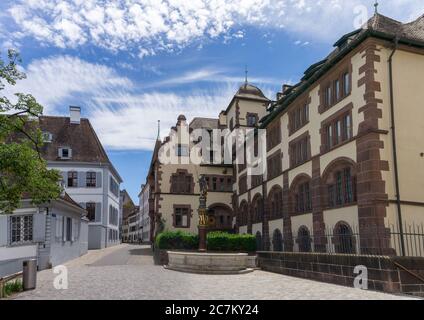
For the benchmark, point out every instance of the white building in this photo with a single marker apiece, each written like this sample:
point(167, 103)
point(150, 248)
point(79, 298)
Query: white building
point(144, 212)
point(89, 177)
point(52, 233)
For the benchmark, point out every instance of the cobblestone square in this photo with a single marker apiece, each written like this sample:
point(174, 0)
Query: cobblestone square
point(128, 272)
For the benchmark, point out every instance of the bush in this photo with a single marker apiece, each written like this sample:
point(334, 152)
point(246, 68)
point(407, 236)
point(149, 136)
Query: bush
point(177, 240)
point(12, 287)
point(222, 241)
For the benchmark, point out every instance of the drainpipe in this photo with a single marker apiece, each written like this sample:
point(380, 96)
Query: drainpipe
point(395, 160)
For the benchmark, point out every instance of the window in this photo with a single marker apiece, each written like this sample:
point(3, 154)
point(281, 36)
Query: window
point(72, 179)
point(65, 153)
point(47, 137)
point(303, 198)
point(328, 97)
point(243, 184)
point(252, 119)
point(257, 209)
point(68, 229)
point(298, 118)
point(21, 229)
point(337, 131)
point(273, 136)
point(335, 90)
point(243, 214)
point(182, 150)
point(182, 182)
point(342, 189)
point(276, 203)
point(91, 211)
point(277, 240)
point(257, 180)
point(91, 179)
point(299, 151)
point(114, 187)
point(231, 124)
point(304, 240)
point(346, 83)
point(343, 239)
point(274, 165)
point(181, 217)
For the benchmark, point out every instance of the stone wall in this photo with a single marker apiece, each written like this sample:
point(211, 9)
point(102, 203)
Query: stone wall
point(386, 274)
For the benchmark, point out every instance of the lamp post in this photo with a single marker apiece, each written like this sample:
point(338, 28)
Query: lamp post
point(202, 211)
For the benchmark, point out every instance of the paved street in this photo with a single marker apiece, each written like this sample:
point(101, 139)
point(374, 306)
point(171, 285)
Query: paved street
point(128, 272)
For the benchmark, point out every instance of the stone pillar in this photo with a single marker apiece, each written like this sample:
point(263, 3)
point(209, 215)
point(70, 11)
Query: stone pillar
point(287, 227)
point(320, 241)
point(371, 189)
point(265, 219)
point(249, 213)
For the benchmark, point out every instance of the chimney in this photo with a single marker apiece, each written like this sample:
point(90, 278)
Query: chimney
point(75, 114)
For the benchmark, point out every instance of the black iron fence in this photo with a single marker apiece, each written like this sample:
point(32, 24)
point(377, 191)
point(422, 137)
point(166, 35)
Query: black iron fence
point(344, 239)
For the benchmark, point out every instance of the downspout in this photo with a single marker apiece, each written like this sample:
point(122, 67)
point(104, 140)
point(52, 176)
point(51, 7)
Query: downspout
point(395, 160)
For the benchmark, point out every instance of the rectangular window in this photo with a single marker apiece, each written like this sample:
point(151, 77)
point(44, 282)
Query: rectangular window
point(346, 84)
point(72, 179)
point(338, 134)
point(68, 229)
point(329, 136)
point(337, 89)
point(181, 216)
point(251, 120)
point(214, 184)
point(339, 189)
point(328, 96)
point(347, 127)
point(91, 179)
point(21, 229)
point(91, 211)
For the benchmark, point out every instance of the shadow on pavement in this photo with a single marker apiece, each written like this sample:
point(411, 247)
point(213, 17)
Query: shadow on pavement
point(141, 252)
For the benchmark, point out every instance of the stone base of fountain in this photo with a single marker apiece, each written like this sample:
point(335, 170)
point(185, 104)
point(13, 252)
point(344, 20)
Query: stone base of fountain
point(211, 263)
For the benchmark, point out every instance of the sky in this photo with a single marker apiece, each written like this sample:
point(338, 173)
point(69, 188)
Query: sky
point(130, 63)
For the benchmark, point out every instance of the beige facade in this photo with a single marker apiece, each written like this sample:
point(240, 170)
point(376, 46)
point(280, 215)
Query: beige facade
point(330, 181)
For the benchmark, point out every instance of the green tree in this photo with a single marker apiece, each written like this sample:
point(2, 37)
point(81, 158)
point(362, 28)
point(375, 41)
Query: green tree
point(22, 169)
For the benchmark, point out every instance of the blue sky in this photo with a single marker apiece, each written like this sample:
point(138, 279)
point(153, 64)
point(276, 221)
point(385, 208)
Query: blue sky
point(128, 63)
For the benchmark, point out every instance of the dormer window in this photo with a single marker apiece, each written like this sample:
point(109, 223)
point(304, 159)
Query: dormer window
point(47, 137)
point(65, 153)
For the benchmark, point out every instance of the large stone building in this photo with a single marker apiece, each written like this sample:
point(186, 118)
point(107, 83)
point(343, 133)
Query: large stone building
point(72, 147)
point(344, 152)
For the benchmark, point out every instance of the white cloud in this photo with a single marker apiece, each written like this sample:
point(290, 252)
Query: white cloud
point(124, 116)
point(54, 79)
point(149, 26)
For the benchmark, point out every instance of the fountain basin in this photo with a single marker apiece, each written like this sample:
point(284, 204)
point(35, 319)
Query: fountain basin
point(211, 263)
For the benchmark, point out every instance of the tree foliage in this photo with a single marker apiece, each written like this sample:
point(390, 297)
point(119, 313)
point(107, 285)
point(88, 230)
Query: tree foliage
point(22, 169)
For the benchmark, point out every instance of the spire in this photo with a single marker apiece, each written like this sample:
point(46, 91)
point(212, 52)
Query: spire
point(158, 137)
point(376, 6)
point(246, 72)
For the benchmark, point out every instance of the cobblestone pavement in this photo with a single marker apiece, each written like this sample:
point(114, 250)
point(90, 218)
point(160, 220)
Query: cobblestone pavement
point(128, 272)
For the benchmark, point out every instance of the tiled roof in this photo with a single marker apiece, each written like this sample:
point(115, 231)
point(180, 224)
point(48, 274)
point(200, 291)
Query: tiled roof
point(378, 24)
point(206, 123)
point(81, 138)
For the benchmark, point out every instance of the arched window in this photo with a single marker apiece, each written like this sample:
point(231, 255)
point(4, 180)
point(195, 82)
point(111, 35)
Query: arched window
point(340, 181)
point(277, 240)
point(343, 239)
point(301, 195)
point(258, 241)
point(304, 239)
point(275, 200)
point(243, 212)
point(182, 182)
point(257, 205)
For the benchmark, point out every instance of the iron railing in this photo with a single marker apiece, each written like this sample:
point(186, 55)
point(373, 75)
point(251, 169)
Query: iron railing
point(344, 239)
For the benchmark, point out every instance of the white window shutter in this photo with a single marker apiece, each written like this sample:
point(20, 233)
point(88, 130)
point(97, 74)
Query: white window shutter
point(70, 153)
point(39, 227)
point(98, 179)
point(59, 152)
point(3, 230)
